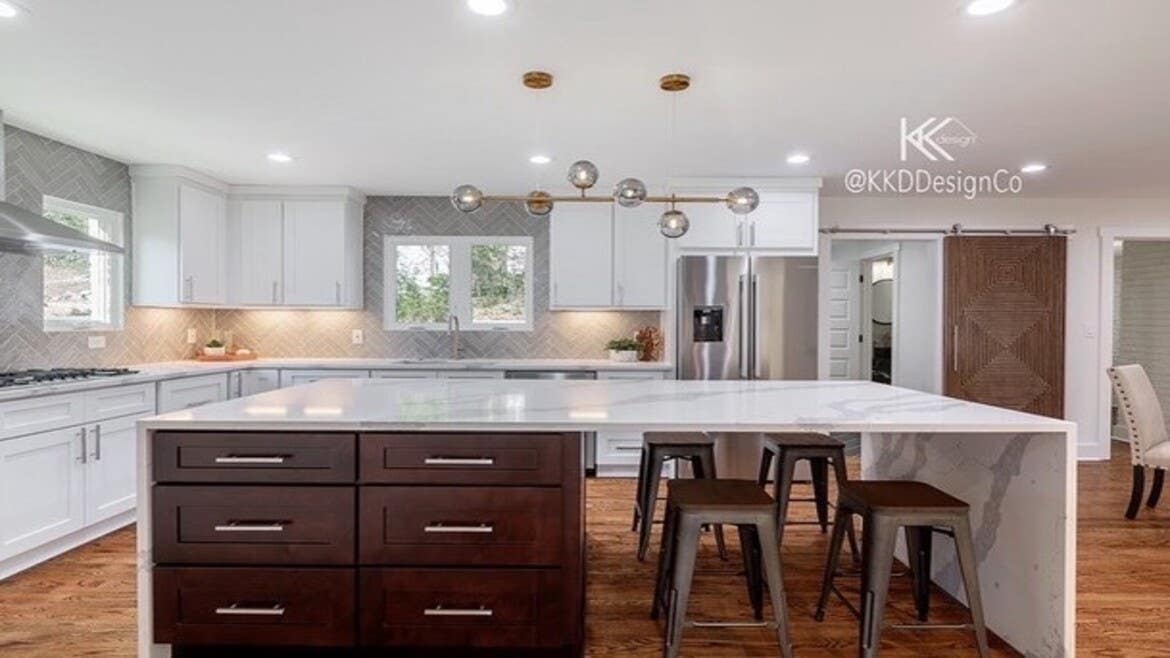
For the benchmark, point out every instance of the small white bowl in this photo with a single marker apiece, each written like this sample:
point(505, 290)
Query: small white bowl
point(623, 356)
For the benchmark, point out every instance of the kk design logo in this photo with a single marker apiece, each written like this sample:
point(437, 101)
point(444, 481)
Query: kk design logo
point(934, 137)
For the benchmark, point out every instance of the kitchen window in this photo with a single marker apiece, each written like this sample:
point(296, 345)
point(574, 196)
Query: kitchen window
point(84, 291)
point(484, 281)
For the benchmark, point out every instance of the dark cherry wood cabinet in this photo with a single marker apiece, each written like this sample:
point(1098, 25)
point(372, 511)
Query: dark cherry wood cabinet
point(299, 543)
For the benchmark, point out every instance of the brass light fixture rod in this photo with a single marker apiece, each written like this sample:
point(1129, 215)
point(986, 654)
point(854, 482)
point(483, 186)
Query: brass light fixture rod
point(604, 199)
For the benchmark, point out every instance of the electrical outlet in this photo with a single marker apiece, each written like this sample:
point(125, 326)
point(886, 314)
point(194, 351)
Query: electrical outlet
point(191, 336)
point(97, 342)
point(357, 337)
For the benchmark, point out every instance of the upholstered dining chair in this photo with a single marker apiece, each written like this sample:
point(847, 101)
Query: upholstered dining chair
point(1149, 440)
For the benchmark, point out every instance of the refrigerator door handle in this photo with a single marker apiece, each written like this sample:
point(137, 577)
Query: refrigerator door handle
point(753, 327)
point(744, 330)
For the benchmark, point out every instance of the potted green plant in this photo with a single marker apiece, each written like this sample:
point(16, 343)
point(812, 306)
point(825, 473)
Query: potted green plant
point(214, 347)
point(624, 350)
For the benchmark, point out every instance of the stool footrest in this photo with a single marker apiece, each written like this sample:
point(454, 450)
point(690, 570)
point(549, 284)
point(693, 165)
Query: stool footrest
point(932, 627)
point(730, 624)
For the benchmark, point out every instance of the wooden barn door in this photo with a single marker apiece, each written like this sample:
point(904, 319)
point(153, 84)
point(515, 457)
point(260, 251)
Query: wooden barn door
point(1004, 336)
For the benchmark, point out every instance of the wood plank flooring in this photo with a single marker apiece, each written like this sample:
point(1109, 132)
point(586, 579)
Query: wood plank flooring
point(82, 604)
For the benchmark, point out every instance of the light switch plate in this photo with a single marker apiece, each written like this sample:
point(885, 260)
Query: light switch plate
point(191, 336)
point(97, 342)
point(357, 337)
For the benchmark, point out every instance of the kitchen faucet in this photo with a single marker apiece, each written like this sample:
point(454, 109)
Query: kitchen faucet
point(453, 331)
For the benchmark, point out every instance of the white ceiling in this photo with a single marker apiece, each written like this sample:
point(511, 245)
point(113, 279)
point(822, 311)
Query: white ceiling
point(415, 96)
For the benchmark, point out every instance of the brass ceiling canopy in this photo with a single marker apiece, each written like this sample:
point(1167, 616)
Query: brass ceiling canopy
point(674, 82)
point(538, 79)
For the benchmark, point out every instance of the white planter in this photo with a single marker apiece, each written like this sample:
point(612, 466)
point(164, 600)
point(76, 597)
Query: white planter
point(623, 356)
point(214, 351)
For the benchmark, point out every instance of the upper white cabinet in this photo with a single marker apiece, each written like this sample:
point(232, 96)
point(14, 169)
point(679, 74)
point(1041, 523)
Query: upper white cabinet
point(581, 256)
point(785, 222)
point(179, 237)
point(295, 247)
point(639, 258)
point(601, 257)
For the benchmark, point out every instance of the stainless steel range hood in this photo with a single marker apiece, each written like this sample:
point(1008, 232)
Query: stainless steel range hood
point(27, 232)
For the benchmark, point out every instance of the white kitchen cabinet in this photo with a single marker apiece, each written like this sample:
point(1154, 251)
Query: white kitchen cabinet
point(111, 476)
point(315, 257)
point(256, 270)
point(639, 258)
point(190, 392)
point(42, 484)
point(471, 374)
point(298, 377)
point(120, 401)
point(403, 374)
point(581, 256)
point(786, 221)
point(41, 413)
point(179, 237)
point(257, 381)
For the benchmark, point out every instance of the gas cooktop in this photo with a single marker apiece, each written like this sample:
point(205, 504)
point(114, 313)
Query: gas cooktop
point(55, 375)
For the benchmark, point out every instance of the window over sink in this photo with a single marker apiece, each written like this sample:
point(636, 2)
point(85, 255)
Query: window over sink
point(84, 291)
point(483, 281)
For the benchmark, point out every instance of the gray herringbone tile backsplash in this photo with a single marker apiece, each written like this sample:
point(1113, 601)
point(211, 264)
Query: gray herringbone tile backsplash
point(37, 166)
point(327, 333)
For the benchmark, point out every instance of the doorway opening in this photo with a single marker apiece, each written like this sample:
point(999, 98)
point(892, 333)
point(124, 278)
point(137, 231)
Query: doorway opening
point(882, 319)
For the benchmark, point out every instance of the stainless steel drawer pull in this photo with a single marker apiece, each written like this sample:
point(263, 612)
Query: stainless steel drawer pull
point(275, 610)
point(627, 448)
point(252, 526)
point(443, 528)
point(440, 611)
point(251, 459)
point(459, 461)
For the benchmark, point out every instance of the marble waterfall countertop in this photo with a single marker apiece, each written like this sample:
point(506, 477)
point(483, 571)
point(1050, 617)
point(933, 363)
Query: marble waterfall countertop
point(479, 405)
point(162, 370)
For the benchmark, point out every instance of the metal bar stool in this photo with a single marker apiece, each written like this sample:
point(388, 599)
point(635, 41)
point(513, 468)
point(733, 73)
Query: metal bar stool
point(657, 447)
point(922, 510)
point(691, 504)
point(820, 450)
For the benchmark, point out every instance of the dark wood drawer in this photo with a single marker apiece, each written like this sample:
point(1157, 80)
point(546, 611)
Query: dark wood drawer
point(461, 458)
point(253, 525)
point(302, 607)
point(462, 608)
point(460, 525)
point(245, 457)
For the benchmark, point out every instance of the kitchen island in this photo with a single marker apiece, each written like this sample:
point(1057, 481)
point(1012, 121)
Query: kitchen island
point(387, 513)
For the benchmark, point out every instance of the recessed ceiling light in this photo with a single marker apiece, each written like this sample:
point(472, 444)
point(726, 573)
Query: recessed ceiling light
point(8, 10)
point(1034, 168)
point(798, 159)
point(540, 159)
point(488, 7)
point(988, 7)
point(280, 157)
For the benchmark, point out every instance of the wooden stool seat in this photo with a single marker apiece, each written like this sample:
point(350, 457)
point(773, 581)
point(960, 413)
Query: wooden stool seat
point(698, 448)
point(920, 510)
point(691, 504)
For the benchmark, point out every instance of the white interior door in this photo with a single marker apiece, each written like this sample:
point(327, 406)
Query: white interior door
point(42, 482)
point(111, 481)
point(844, 323)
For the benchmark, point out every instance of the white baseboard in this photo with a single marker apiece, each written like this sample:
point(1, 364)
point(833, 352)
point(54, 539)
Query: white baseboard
point(45, 552)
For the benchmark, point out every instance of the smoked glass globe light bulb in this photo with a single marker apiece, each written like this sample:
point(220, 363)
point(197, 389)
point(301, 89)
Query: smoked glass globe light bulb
point(582, 174)
point(743, 200)
point(629, 192)
point(537, 204)
point(467, 198)
point(674, 224)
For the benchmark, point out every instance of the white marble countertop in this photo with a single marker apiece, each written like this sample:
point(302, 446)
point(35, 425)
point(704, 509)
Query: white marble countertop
point(508, 405)
point(153, 372)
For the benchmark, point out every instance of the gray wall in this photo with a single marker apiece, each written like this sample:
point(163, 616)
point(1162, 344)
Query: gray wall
point(1144, 313)
point(34, 167)
point(327, 333)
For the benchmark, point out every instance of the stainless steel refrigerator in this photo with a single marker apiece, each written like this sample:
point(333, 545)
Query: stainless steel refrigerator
point(747, 317)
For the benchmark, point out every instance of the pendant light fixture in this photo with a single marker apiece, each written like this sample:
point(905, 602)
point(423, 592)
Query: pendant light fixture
point(628, 193)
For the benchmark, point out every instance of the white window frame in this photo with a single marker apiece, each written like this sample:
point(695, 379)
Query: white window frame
point(460, 281)
point(115, 222)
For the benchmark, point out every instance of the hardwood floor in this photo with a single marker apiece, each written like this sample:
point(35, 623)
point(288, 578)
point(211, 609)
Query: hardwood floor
point(82, 604)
